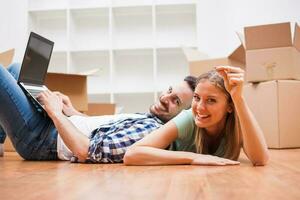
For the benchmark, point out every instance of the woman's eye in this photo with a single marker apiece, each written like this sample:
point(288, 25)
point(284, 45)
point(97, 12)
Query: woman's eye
point(211, 100)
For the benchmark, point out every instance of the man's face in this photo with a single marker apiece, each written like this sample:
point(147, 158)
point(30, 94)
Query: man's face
point(172, 102)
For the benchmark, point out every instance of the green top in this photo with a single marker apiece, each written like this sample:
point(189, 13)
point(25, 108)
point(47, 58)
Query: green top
point(186, 134)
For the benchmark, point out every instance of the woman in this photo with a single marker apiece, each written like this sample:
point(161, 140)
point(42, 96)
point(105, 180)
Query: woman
point(211, 133)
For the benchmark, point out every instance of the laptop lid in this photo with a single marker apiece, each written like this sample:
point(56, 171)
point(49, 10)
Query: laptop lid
point(36, 60)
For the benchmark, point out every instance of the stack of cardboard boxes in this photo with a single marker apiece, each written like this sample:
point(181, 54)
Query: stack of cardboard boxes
point(272, 64)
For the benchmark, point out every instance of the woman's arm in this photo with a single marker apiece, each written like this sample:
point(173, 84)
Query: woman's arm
point(151, 151)
point(76, 141)
point(254, 143)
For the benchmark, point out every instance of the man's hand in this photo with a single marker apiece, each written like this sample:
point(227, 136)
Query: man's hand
point(68, 108)
point(52, 103)
point(202, 159)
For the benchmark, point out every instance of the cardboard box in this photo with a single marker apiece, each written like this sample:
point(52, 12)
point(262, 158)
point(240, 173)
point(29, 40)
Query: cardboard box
point(275, 105)
point(270, 52)
point(97, 109)
point(72, 85)
point(198, 65)
point(7, 57)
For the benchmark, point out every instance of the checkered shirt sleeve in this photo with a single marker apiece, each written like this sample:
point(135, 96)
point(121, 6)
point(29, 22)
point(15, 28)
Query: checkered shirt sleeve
point(109, 143)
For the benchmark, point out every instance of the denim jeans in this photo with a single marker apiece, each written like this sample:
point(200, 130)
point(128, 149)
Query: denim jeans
point(33, 134)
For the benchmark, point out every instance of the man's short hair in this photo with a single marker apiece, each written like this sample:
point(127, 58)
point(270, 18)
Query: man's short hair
point(191, 81)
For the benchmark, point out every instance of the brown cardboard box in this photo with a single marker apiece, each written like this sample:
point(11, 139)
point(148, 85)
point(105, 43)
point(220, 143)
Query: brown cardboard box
point(72, 85)
point(270, 52)
point(7, 57)
point(97, 109)
point(275, 105)
point(198, 65)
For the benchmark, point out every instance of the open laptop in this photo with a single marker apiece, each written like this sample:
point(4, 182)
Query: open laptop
point(34, 67)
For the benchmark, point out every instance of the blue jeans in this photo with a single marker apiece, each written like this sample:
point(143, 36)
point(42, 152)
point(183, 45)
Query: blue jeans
point(33, 135)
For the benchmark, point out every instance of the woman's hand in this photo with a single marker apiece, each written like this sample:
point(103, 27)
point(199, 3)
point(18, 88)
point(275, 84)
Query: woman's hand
point(53, 104)
point(202, 159)
point(233, 80)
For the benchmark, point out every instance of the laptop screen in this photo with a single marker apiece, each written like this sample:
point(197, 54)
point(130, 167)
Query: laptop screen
point(36, 59)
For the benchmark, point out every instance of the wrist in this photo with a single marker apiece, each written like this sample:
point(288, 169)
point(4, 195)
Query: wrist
point(56, 116)
point(192, 157)
point(238, 99)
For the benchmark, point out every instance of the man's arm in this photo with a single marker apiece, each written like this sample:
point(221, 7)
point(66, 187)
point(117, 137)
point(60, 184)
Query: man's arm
point(68, 108)
point(76, 141)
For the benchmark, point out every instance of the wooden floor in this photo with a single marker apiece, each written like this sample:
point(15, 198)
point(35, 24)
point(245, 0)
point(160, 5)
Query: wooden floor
point(280, 179)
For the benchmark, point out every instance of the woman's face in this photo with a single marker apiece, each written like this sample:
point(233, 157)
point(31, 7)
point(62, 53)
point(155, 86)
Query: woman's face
point(210, 107)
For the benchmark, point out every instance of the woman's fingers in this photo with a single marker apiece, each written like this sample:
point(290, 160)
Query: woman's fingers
point(213, 160)
point(229, 69)
point(223, 74)
point(235, 75)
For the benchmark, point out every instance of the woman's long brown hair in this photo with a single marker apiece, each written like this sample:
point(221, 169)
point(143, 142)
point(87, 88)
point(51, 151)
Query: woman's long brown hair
point(232, 130)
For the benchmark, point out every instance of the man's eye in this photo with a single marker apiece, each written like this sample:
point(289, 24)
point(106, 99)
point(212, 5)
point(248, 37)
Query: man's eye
point(196, 98)
point(170, 90)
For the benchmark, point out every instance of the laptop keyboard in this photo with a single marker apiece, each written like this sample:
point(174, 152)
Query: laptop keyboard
point(34, 93)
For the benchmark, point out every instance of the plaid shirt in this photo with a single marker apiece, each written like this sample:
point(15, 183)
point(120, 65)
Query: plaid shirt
point(109, 142)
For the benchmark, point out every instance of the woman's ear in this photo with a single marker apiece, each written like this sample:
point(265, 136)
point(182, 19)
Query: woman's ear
point(230, 108)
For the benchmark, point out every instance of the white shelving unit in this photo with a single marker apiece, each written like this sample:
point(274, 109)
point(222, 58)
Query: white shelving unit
point(134, 44)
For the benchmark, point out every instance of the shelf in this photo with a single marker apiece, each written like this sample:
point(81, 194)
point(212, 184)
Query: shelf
point(35, 5)
point(52, 25)
point(127, 3)
point(172, 2)
point(181, 31)
point(89, 3)
point(132, 27)
point(89, 60)
point(99, 84)
point(136, 57)
point(99, 98)
point(89, 29)
point(58, 62)
point(131, 102)
point(172, 67)
point(133, 71)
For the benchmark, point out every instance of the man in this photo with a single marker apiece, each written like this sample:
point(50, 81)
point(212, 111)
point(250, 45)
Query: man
point(67, 134)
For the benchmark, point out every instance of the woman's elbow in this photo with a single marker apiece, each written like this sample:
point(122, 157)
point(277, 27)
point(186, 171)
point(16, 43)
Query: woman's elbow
point(262, 161)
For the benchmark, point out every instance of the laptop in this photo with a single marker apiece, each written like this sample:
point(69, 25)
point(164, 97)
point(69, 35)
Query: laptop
point(34, 67)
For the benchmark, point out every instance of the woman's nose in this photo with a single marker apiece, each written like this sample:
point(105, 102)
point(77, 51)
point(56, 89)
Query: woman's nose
point(201, 105)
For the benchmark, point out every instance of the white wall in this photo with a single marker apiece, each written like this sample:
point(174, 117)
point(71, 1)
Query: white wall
point(218, 20)
point(13, 26)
